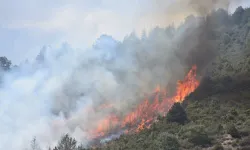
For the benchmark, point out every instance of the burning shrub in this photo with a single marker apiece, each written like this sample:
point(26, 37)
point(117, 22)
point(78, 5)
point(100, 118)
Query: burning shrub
point(177, 114)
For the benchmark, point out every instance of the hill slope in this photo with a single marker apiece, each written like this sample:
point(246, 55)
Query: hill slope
point(218, 112)
point(217, 115)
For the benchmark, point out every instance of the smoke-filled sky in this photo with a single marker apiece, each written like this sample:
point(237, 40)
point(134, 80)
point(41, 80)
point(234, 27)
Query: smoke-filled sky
point(27, 25)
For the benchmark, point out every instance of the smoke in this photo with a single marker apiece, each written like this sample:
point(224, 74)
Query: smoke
point(62, 90)
point(204, 7)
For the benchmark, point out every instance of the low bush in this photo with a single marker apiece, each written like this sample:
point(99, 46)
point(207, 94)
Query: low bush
point(177, 114)
point(166, 141)
point(200, 139)
point(231, 129)
point(218, 147)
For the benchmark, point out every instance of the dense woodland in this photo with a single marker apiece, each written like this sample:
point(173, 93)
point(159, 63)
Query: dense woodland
point(217, 115)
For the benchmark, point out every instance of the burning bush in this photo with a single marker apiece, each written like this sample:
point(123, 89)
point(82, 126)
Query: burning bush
point(145, 114)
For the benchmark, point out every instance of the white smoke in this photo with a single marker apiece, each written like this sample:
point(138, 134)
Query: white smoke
point(50, 97)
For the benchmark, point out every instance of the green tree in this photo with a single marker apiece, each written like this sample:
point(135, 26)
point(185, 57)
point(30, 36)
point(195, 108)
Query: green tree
point(221, 17)
point(246, 16)
point(237, 15)
point(177, 114)
point(41, 56)
point(66, 143)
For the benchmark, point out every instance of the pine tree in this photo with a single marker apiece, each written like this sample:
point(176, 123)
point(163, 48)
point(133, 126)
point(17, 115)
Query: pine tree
point(66, 143)
point(34, 145)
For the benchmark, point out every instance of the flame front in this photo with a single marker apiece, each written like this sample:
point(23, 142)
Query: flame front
point(145, 113)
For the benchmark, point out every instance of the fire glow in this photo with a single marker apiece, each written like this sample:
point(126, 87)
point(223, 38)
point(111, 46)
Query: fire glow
point(146, 112)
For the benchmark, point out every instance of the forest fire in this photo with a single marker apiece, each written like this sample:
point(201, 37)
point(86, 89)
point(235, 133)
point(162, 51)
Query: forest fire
point(145, 113)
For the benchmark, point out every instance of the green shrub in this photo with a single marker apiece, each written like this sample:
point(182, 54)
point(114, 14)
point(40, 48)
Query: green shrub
point(247, 112)
point(234, 112)
point(219, 128)
point(166, 141)
point(186, 145)
point(197, 136)
point(244, 132)
point(66, 143)
point(245, 148)
point(200, 139)
point(218, 147)
point(226, 39)
point(231, 129)
point(229, 117)
point(245, 142)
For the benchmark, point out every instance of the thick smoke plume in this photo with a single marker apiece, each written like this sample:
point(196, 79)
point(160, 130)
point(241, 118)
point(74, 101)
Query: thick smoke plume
point(52, 95)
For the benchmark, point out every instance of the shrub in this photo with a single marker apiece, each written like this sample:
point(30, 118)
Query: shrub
point(233, 131)
point(219, 128)
point(218, 147)
point(200, 138)
point(247, 111)
point(166, 141)
point(245, 148)
point(226, 39)
point(177, 114)
point(234, 112)
point(245, 142)
point(196, 135)
point(229, 117)
point(244, 132)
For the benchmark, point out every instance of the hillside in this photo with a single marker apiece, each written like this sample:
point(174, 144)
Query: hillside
point(218, 112)
point(215, 116)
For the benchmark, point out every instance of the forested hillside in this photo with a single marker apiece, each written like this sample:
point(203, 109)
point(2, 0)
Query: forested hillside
point(216, 115)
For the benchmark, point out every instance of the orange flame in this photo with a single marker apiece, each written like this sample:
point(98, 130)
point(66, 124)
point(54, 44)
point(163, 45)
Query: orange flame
point(184, 88)
point(146, 112)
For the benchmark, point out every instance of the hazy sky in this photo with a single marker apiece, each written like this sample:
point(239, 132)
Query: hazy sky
point(27, 25)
